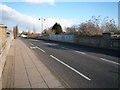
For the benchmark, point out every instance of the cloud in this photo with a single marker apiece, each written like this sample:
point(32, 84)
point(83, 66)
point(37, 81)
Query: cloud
point(11, 17)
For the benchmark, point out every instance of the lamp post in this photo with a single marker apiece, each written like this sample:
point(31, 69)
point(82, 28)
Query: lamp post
point(42, 19)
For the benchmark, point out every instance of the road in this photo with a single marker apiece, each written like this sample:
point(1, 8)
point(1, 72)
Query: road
point(78, 66)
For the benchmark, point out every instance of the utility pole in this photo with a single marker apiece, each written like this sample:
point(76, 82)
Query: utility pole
point(42, 19)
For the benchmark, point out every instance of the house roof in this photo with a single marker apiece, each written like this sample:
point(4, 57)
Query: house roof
point(8, 30)
point(3, 26)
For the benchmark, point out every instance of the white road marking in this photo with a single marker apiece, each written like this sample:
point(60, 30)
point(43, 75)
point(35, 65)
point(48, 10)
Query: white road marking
point(71, 68)
point(109, 61)
point(41, 49)
point(97, 57)
point(64, 47)
point(50, 43)
point(80, 52)
point(31, 44)
point(33, 47)
point(33, 40)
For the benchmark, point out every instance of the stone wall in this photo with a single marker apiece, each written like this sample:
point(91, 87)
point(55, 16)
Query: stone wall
point(4, 48)
point(45, 37)
point(62, 37)
point(104, 41)
point(88, 40)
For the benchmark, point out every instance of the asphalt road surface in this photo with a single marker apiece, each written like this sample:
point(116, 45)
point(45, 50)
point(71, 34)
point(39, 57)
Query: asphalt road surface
point(78, 66)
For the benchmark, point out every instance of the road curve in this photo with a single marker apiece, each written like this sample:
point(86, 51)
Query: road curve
point(78, 66)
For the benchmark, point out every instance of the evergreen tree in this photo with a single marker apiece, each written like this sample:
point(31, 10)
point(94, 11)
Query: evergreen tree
point(57, 28)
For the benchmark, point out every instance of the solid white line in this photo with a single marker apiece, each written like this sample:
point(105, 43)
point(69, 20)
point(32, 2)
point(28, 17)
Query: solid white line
point(33, 47)
point(80, 52)
point(71, 68)
point(109, 61)
point(41, 49)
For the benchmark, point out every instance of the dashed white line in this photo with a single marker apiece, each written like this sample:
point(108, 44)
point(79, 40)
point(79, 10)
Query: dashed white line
point(33, 40)
point(71, 68)
point(37, 48)
point(31, 44)
point(100, 58)
point(109, 61)
point(50, 43)
point(64, 47)
point(41, 49)
point(80, 52)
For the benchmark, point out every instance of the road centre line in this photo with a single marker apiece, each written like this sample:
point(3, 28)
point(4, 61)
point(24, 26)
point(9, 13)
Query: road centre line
point(71, 68)
point(33, 40)
point(80, 52)
point(50, 43)
point(109, 61)
point(64, 47)
point(99, 58)
point(37, 48)
point(41, 49)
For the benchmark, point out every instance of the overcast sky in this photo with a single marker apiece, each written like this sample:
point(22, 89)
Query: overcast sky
point(26, 14)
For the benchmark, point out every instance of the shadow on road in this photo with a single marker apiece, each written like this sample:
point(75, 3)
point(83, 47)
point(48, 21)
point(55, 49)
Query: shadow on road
point(82, 48)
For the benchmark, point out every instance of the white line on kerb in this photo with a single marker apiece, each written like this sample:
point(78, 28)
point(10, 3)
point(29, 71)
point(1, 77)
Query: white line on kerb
point(71, 68)
point(80, 52)
point(41, 49)
point(109, 61)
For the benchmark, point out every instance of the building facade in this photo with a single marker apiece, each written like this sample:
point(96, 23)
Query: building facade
point(3, 29)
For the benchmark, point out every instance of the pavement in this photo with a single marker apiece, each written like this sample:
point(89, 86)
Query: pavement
point(23, 69)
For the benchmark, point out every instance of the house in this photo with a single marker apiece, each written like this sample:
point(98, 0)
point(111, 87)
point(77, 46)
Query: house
point(3, 29)
point(4, 33)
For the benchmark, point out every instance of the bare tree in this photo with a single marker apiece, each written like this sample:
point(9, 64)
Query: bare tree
point(71, 30)
point(15, 31)
point(48, 31)
point(96, 26)
point(90, 27)
point(109, 25)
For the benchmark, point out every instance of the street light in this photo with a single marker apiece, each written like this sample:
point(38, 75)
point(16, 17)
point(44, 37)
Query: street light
point(42, 19)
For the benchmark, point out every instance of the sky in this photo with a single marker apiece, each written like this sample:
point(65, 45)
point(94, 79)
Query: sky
point(26, 14)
